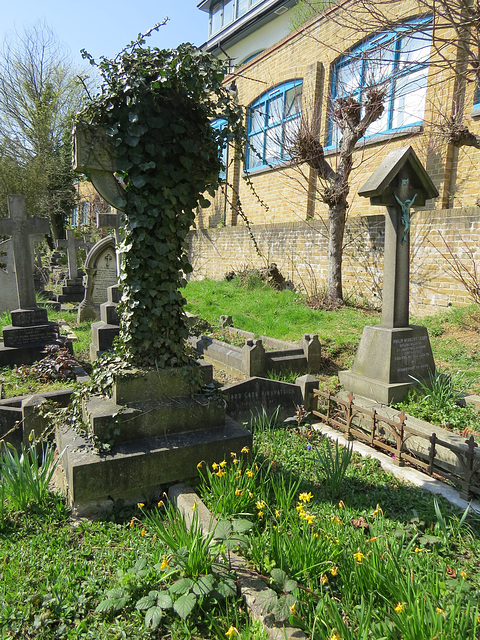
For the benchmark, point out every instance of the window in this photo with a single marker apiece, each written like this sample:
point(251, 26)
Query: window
point(74, 216)
point(85, 208)
point(271, 121)
point(223, 12)
point(219, 125)
point(397, 61)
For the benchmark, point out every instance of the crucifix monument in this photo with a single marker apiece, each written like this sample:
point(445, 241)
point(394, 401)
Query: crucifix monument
point(74, 290)
point(391, 355)
point(30, 331)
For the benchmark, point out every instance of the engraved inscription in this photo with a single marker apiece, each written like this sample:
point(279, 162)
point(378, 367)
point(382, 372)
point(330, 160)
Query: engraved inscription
point(411, 356)
point(106, 276)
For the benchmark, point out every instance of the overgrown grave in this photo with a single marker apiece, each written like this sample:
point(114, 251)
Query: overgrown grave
point(146, 404)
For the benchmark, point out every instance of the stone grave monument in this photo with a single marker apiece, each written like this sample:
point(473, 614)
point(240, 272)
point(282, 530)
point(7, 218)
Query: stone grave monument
point(101, 273)
point(25, 339)
point(158, 422)
point(392, 354)
point(74, 290)
point(8, 282)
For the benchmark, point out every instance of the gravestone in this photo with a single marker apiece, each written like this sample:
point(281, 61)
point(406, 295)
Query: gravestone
point(108, 327)
point(113, 220)
point(101, 273)
point(8, 281)
point(25, 339)
point(392, 354)
point(74, 290)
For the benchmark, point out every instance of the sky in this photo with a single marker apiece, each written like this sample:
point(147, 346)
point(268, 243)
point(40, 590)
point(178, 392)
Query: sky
point(103, 27)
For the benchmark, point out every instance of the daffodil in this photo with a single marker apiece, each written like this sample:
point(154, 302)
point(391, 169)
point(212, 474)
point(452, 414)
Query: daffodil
point(335, 635)
point(165, 564)
point(260, 514)
point(341, 504)
point(378, 510)
point(463, 574)
point(418, 550)
point(160, 504)
point(233, 454)
point(249, 473)
point(334, 571)
point(220, 473)
point(235, 461)
point(232, 631)
point(277, 513)
point(143, 532)
point(399, 607)
point(132, 522)
point(305, 497)
point(439, 611)
point(214, 466)
point(336, 519)
point(194, 507)
point(310, 518)
point(200, 465)
point(239, 472)
point(223, 464)
point(293, 611)
point(245, 450)
point(238, 492)
point(358, 556)
point(250, 494)
point(140, 505)
point(260, 504)
point(324, 580)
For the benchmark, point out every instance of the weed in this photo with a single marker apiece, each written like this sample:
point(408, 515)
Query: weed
point(333, 462)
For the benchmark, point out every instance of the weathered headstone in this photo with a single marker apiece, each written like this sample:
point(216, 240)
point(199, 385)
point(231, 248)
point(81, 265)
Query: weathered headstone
point(112, 220)
point(108, 327)
point(392, 354)
point(101, 273)
point(8, 281)
point(74, 290)
point(25, 339)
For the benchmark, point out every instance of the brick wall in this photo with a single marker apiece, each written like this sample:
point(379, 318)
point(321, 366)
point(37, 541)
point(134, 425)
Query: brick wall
point(300, 251)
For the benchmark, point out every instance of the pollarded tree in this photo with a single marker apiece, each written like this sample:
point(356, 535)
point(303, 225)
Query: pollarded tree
point(156, 108)
point(39, 94)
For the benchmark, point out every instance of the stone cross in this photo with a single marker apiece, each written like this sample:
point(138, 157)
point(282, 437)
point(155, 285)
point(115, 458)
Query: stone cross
point(20, 228)
point(398, 183)
point(113, 221)
point(71, 245)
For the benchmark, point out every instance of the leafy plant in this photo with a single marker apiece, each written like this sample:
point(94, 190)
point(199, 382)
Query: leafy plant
point(333, 462)
point(26, 476)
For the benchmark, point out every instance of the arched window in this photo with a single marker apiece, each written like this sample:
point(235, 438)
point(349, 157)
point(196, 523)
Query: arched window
point(272, 120)
point(219, 124)
point(74, 216)
point(396, 61)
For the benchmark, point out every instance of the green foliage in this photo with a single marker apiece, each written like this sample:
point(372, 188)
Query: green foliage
point(305, 10)
point(331, 463)
point(25, 476)
point(155, 108)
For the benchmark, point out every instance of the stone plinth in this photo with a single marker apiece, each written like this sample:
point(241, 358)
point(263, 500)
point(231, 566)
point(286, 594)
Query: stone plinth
point(387, 360)
point(107, 329)
point(73, 291)
point(159, 428)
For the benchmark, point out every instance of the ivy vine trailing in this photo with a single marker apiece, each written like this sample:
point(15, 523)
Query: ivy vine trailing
point(156, 107)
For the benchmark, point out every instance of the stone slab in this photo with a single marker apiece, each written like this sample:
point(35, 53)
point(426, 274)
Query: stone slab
point(103, 335)
point(31, 335)
point(143, 386)
point(140, 470)
point(28, 317)
point(109, 313)
point(110, 422)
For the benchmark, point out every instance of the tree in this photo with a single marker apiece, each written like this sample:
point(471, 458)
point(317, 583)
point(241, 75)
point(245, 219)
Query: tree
point(39, 94)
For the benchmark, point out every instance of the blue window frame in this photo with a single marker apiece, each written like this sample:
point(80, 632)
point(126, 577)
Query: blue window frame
point(398, 61)
point(223, 12)
point(85, 207)
point(218, 125)
point(74, 216)
point(272, 118)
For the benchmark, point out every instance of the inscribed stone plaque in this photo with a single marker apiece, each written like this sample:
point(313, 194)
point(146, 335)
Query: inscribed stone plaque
point(8, 281)
point(101, 273)
point(106, 276)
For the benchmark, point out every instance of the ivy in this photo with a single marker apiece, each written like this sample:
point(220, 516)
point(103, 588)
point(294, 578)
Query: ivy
point(155, 107)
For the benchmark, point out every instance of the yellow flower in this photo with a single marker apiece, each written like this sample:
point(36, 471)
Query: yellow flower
point(378, 510)
point(300, 507)
point(164, 564)
point(335, 635)
point(140, 505)
point(260, 504)
point(358, 556)
point(233, 454)
point(439, 611)
point(194, 507)
point(293, 611)
point(373, 539)
point(302, 515)
point(238, 492)
point(232, 631)
point(260, 514)
point(132, 522)
point(310, 518)
point(399, 607)
point(249, 473)
point(235, 461)
point(245, 450)
point(256, 467)
point(341, 504)
point(463, 574)
point(336, 519)
point(214, 466)
point(316, 534)
point(305, 497)
point(418, 550)
point(223, 463)
point(220, 473)
point(143, 532)
point(239, 471)
point(324, 579)
point(250, 494)
point(334, 571)
point(200, 465)
point(160, 504)
point(277, 513)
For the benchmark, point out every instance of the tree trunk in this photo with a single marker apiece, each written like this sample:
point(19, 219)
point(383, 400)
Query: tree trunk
point(336, 226)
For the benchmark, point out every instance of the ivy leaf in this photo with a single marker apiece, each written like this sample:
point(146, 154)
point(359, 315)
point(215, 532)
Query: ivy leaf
point(185, 604)
point(139, 181)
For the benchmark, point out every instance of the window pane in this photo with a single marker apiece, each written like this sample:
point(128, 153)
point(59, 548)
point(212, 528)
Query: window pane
point(415, 50)
point(293, 101)
point(273, 144)
point(242, 7)
point(227, 12)
point(216, 16)
point(257, 115)
point(348, 77)
point(275, 110)
point(409, 101)
point(255, 144)
point(378, 66)
point(290, 129)
point(381, 124)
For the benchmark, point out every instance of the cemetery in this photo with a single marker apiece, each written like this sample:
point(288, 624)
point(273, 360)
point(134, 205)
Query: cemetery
point(166, 504)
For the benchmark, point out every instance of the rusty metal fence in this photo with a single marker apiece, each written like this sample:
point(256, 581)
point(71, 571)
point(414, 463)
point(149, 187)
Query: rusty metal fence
point(392, 437)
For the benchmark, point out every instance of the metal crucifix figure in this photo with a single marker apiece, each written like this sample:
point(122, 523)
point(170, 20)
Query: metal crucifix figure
point(405, 207)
